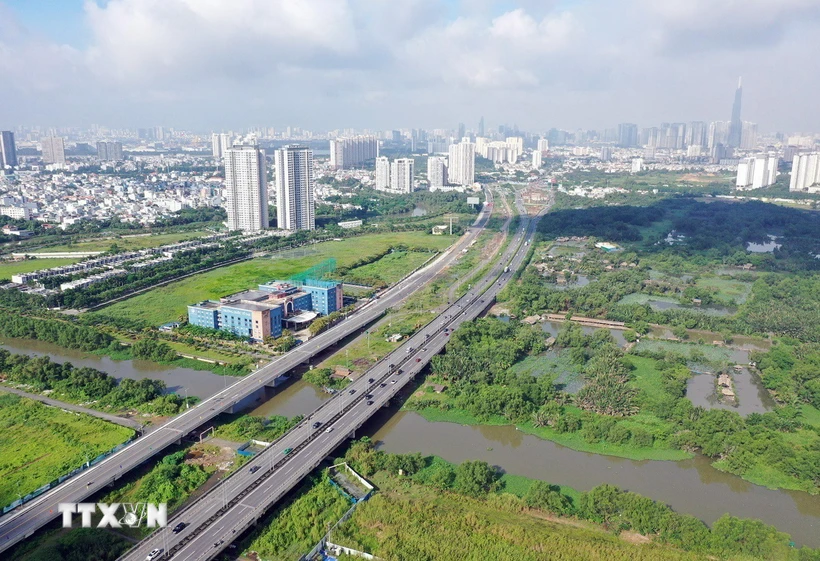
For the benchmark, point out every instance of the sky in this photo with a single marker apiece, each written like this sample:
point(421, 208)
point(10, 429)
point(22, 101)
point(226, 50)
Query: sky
point(388, 64)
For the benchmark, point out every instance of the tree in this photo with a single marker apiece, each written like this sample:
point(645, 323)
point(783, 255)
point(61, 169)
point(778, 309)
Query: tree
point(543, 496)
point(475, 478)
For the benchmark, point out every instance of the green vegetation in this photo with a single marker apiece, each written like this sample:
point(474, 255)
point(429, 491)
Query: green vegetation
point(440, 511)
point(128, 242)
point(88, 386)
point(79, 544)
point(170, 302)
point(9, 268)
point(40, 443)
point(247, 427)
point(387, 270)
point(60, 333)
point(297, 526)
point(171, 481)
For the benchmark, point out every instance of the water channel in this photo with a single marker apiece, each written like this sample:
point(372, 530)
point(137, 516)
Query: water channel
point(690, 486)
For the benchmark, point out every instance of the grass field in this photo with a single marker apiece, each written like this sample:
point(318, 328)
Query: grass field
point(390, 269)
point(640, 298)
point(9, 268)
point(127, 242)
point(729, 292)
point(710, 352)
point(40, 443)
point(170, 302)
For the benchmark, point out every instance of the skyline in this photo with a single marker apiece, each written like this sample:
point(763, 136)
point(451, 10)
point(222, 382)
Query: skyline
point(365, 64)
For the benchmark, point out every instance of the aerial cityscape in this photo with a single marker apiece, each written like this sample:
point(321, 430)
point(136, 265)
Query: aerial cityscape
point(415, 280)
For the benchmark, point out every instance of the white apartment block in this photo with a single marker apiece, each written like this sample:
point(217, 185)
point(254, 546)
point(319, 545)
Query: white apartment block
point(220, 143)
point(382, 173)
point(543, 145)
point(637, 165)
point(757, 171)
point(462, 163)
point(437, 172)
point(515, 148)
point(401, 175)
point(536, 159)
point(350, 151)
point(295, 202)
point(246, 191)
point(53, 150)
point(18, 212)
point(806, 173)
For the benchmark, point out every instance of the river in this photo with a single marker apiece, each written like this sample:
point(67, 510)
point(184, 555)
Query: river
point(199, 383)
point(690, 486)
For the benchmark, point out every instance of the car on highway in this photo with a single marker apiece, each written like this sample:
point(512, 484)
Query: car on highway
point(418, 359)
point(351, 392)
point(400, 371)
point(370, 380)
point(382, 385)
point(254, 469)
point(179, 527)
point(154, 554)
point(393, 381)
point(317, 424)
point(329, 429)
point(370, 402)
point(288, 451)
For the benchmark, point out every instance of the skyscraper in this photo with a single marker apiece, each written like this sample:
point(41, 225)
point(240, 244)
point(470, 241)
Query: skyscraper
point(246, 190)
point(220, 142)
point(627, 135)
point(461, 130)
point(806, 173)
point(109, 151)
point(462, 163)
point(53, 150)
point(8, 152)
point(382, 173)
point(536, 159)
point(543, 145)
point(295, 205)
point(757, 171)
point(350, 151)
point(402, 171)
point(481, 126)
point(736, 125)
point(436, 172)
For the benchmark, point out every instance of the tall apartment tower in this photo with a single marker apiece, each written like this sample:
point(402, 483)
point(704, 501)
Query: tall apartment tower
point(736, 125)
point(53, 150)
point(627, 135)
point(543, 145)
point(536, 159)
point(757, 171)
point(806, 173)
point(295, 205)
point(8, 152)
point(349, 151)
point(402, 171)
point(246, 188)
point(462, 163)
point(481, 126)
point(109, 151)
point(382, 173)
point(437, 172)
point(220, 142)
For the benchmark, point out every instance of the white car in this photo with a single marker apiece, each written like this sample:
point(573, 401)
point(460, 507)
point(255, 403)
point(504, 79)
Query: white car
point(154, 554)
point(329, 429)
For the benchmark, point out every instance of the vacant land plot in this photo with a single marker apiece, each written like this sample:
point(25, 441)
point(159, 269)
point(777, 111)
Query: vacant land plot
point(692, 351)
point(730, 292)
point(40, 443)
point(169, 302)
point(9, 268)
point(125, 242)
point(389, 269)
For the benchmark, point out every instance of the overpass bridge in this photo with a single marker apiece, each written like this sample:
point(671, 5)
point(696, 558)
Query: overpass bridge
point(21, 523)
point(214, 520)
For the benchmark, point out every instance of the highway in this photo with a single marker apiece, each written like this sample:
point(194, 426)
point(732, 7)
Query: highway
point(239, 501)
point(21, 523)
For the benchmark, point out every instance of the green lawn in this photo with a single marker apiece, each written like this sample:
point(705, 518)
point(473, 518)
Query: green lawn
point(729, 292)
point(40, 443)
point(647, 378)
point(9, 268)
point(125, 242)
point(168, 303)
point(391, 268)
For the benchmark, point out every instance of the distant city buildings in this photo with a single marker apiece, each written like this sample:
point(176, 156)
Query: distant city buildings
point(606, 153)
point(736, 125)
point(220, 143)
point(396, 176)
point(481, 126)
point(352, 151)
point(806, 173)
point(53, 150)
point(109, 151)
point(437, 172)
point(461, 170)
point(536, 159)
point(627, 135)
point(8, 151)
point(246, 192)
point(757, 171)
point(295, 203)
point(543, 145)
point(637, 165)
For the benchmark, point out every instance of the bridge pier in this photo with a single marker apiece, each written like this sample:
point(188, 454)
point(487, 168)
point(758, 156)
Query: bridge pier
point(249, 401)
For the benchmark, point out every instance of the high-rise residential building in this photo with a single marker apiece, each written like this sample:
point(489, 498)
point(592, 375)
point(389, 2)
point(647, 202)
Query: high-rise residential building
point(8, 151)
point(736, 125)
point(806, 173)
point(481, 126)
point(627, 135)
point(757, 171)
point(718, 134)
point(53, 150)
point(346, 152)
point(220, 142)
point(382, 173)
point(536, 159)
point(461, 170)
point(696, 133)
point(515, 148)
point(748, 136)
point(246, 190)
point(606, 153)
point(109, 151)
point(637, 165)
point(543, 145)
point(402, 171)
point(436, 172)
point(295, 204)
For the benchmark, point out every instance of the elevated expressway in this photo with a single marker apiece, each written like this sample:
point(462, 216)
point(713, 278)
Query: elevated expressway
point(239, 501)
point(21, 523)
